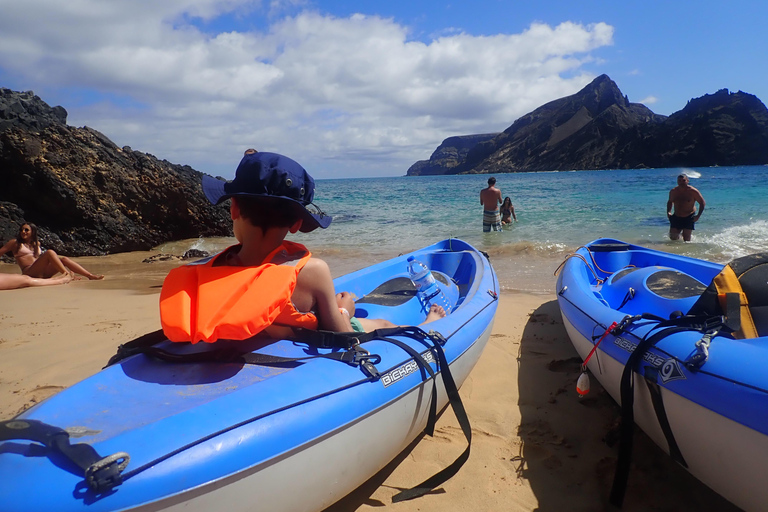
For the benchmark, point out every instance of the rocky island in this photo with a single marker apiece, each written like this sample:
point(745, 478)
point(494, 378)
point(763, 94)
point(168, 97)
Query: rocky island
point(599, 128)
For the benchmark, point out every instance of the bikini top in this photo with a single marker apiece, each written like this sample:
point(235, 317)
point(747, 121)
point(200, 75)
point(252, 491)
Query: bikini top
point(23, 250)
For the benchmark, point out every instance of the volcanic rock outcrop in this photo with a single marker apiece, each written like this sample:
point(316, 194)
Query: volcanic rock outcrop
point(87, 195)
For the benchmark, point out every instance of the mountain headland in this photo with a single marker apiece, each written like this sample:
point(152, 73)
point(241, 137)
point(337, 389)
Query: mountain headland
point(599, 128)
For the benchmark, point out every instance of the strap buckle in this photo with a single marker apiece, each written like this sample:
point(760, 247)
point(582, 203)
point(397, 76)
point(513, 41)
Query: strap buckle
point(358, 356)
point(437, 337)
point(361, 355)
point(697, 360)
point(624, 323)
point(105, 474)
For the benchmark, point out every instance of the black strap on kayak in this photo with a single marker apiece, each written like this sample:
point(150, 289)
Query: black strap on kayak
point(710, 326)
point(449, 383)
point(429, 429)
point(101, 473)
point(136, 346)
point(651, 380)
point(351, 353)
point(461, 415)
point(627, 392)
point(318, 339)
point(327, 338)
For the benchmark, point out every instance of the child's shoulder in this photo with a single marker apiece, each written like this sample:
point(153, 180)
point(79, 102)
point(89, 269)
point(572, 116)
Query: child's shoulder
point(316, 271)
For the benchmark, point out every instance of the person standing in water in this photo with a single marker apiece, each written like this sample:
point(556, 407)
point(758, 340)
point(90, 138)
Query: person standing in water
point(490, 198)
point(681, 220)
point(37, 263)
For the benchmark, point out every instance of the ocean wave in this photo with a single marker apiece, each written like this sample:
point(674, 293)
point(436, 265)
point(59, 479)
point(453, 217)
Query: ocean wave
point(544, 249)
point(738, 241)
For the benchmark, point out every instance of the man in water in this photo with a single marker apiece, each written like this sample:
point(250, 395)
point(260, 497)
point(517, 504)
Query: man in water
point(683, 197)
point(490, 198)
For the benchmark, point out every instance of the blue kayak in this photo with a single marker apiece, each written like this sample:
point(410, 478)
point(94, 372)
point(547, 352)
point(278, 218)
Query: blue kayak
point(662, 338)
point(260, 424)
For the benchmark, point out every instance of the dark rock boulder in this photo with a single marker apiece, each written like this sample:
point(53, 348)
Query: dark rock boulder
point(88, 196)
point(27, 111)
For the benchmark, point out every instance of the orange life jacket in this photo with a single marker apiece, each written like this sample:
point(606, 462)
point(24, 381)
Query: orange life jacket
point(203, 302)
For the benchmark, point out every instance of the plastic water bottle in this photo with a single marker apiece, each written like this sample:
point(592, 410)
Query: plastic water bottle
point(427, 289)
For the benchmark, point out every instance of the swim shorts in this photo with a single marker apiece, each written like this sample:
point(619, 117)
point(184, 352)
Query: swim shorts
point(676, 222)
point(356, 325)
point(491, 219)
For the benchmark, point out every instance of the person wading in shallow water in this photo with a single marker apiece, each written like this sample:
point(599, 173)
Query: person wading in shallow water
point(508, 211)
point(490, 198)
point(683, 197)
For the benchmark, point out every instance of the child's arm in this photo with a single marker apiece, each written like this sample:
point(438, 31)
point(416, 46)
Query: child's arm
point(315, 279)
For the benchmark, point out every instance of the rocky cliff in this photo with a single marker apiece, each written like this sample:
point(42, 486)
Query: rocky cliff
point(598, 128)
point(449, 155)
point(87, 195)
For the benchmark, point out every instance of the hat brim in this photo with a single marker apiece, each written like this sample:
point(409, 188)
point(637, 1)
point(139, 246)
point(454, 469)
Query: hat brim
point(215, 191)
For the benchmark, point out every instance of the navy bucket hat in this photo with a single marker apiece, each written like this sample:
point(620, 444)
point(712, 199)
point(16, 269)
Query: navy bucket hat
point(269, 175)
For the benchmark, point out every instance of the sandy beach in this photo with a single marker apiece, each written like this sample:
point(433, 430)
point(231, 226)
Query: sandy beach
point(536, 445)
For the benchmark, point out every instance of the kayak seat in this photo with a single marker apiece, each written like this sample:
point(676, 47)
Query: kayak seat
point(655, 289)
point(754, 282)
point(611, 257)
point(748, 278)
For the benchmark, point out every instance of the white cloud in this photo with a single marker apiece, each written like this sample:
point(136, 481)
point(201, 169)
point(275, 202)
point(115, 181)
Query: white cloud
point(649, 100)
point(351, 95)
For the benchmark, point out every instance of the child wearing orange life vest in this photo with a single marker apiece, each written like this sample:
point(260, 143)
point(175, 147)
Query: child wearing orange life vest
point(265, 283)
point(249, 286)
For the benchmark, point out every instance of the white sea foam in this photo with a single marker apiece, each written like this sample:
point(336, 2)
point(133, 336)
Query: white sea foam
point(198, 244)
point(691, 173)
point(742, 240)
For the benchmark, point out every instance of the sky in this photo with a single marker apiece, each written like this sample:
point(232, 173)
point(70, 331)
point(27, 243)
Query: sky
point(363, 88)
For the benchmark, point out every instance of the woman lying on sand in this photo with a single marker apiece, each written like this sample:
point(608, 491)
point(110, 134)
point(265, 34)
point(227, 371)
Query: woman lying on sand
point(14, 281)
point(34, 263)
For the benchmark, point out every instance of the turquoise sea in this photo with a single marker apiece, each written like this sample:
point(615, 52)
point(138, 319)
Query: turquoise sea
point(378, 218)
